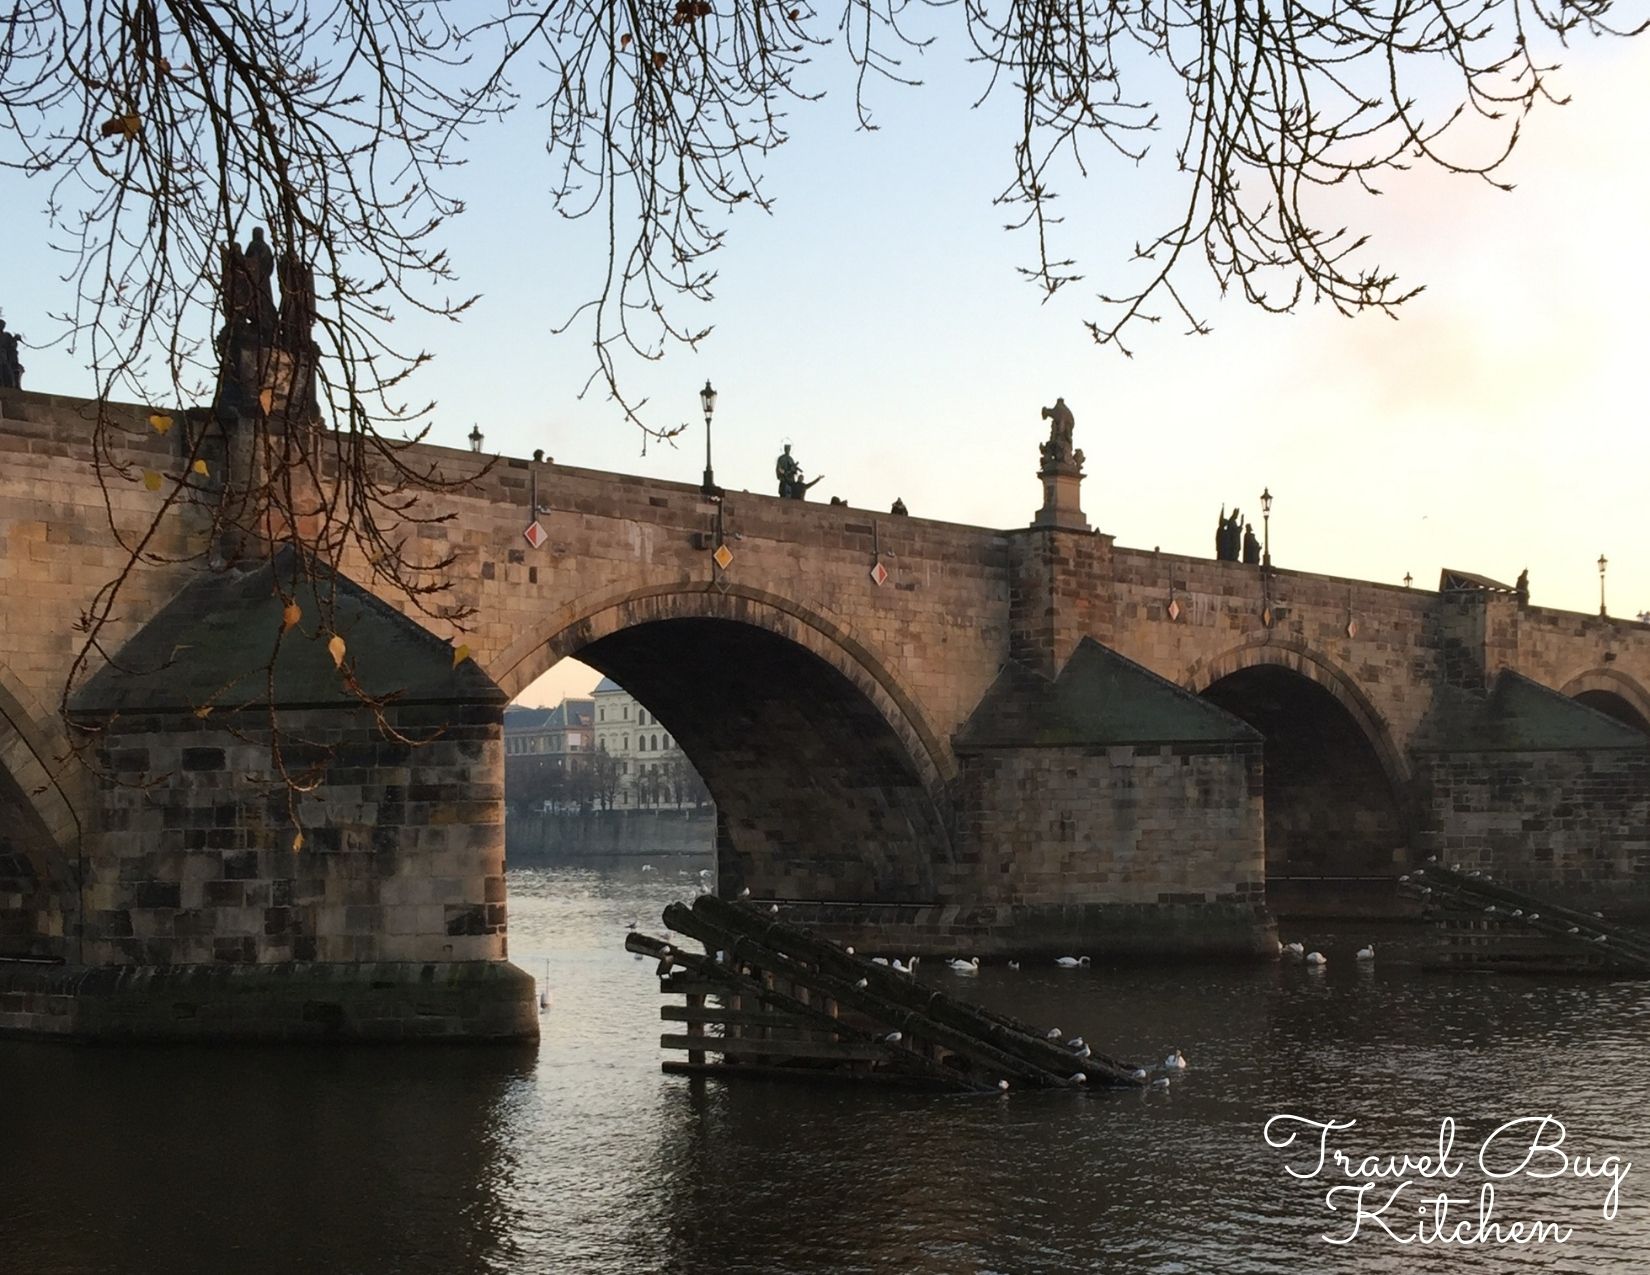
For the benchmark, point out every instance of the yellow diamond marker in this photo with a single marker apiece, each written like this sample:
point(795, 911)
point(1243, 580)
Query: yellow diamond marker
point(722, 557)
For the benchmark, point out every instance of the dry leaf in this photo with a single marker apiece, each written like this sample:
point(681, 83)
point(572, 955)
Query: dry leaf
point(461, 652)
point(160, 422)
point(205, 710)
point(659, 61)
point(297, 841)
point(266, 400)
point(290, 615)
point(624, 40)
point(336, 648)
point(151, 480)
point(200, 468)
point(126, 126)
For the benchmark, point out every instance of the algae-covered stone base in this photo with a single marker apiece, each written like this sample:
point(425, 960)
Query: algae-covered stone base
point(291, 1001)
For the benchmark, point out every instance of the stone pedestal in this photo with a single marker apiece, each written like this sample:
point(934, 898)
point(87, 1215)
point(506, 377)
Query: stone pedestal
point(1062, 503)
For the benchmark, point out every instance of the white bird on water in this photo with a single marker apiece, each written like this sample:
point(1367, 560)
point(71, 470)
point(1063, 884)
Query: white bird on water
point(960, 966)
point(876, 960)
point(1070, 962)
point(899, 966)
point(1176, 1061)
point(1366, 953)
point(1162, 1082)
point(647, 867)
point(1014, 965)
point(1076, 1042)
point(1294, 949)
point(1316, 958)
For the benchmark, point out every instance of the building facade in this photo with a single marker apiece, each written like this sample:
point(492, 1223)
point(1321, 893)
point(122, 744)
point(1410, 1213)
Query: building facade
point(648, 769)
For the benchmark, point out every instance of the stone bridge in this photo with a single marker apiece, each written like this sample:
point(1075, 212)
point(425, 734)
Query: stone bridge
point(1031, 737)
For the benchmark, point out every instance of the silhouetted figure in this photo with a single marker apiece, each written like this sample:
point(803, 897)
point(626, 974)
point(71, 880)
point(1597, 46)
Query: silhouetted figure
point(898, 508)
point(1220, 536)
point(1251, 546)
point(789, 472)
point(11, 369)
point(1522, 588)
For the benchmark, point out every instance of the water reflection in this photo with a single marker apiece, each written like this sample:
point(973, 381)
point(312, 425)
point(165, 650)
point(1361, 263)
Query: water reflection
point(585, 1158)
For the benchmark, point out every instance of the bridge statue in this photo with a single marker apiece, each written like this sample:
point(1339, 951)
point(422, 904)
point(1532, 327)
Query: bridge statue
point(1057, 451)
point(789, 472)
point(11, 369)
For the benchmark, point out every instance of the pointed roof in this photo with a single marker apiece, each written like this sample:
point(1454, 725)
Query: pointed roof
point(1099, 698)
point(607, 686)
point(210, 645)
point(1518, 715)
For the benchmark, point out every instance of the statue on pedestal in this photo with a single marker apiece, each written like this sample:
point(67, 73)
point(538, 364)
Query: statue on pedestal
point(11, 368)
point(1058, 452)
point(789, 473)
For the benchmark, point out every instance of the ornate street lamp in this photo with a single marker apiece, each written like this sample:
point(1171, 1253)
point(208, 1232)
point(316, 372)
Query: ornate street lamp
point(1603, 562)
point(1266, 525)
point(1408, 579)
point(475, 438)
point(707, 400)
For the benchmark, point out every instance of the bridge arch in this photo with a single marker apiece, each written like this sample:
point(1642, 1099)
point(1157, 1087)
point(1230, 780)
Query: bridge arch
point(829, 781)
point(39, 828)
point(1338, 796)
point(1614, 694)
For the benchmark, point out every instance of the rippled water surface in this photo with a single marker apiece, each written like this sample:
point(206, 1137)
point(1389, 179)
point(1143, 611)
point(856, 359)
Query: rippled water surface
point(580, 1156)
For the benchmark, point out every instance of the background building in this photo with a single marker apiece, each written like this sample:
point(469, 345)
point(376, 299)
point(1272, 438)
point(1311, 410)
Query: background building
point(638, 763)
point(547, 754)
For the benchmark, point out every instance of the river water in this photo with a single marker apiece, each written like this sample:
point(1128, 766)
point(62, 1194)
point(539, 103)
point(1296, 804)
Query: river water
point(580, 1156)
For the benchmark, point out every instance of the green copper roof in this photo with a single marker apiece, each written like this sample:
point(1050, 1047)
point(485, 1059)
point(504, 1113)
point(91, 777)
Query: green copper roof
point(1099, 698)
point(211, 646)
point(1518, 715)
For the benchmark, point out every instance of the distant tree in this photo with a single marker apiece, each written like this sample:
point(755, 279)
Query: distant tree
point(531, 780)
point(604, 777)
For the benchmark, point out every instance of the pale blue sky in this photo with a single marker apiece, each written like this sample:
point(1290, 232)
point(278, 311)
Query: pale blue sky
point(877, 322)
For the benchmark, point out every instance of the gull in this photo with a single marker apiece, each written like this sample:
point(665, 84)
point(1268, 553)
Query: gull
point(1078, 1078)
point(745, 893)
point(1176, 1061)
point(1084, 1052)
point(1053, 1033)
point(1003, 1085)
point(1162, 1082)
point(773, 909)
point(1139, 1073)
point(1076, 1042)
point(893, 1038)
point(1014, 965)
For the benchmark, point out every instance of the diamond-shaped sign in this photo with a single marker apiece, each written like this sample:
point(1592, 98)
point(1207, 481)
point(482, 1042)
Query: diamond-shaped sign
point(1174, 609)
point(723, 557)
point(1266, 617)
point(535, 535)
point(879, 575)
point(1351, 628)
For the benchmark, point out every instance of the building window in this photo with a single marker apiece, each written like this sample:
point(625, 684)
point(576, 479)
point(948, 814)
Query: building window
point(655, 744)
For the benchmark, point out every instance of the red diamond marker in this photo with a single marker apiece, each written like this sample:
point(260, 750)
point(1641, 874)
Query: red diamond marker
point(535, 535)
point(1351, 628)
point(1174, 610)
point(879, 575)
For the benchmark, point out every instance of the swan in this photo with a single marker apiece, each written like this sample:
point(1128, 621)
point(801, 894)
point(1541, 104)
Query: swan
point(1079, 1078)
point(1076, 1042)
point(1162, 1082)
point(1139, 1073)
point(545, 1002)
point(1070, 962)
point(745, 893)
point(899, 966)
point(1293, 949)
point(1084, 1052)
point(647, 867)
point(1533, 916)
point(1316, 958)
point(879, 960)
point(960, 966)
point(1366, 953)
point(1176, 1061)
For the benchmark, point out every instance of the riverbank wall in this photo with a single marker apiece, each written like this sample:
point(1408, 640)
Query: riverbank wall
point(539, 840)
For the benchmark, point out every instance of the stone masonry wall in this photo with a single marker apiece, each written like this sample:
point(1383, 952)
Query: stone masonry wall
point(1149, 823)
point(1573, 824)
point(402, 859)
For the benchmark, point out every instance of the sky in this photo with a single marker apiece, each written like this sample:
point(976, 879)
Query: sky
point(876, 321)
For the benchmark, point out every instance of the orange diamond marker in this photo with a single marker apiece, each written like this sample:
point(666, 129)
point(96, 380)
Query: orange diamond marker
point(722, 557)
point(1174, 610)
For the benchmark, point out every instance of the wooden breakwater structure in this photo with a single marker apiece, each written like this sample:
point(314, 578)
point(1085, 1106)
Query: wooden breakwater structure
point(767, 998)
point(1481, 924)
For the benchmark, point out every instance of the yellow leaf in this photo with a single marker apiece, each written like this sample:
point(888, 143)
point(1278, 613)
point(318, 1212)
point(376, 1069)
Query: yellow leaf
point(290, 615)
point(160, 422)
point(336, 647)
point(151, 480)
point(205, 710)
point(130, 125)
point(297, 841)
point(199, 467)
point(266, 400)
point(126, 126)
point(460, 654)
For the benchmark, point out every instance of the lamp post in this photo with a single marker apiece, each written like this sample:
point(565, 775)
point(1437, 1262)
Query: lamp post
point(475, 438)
point(1266, 527)
point(1408, 579)
point(1603, 562)
point(707, 400)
